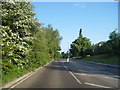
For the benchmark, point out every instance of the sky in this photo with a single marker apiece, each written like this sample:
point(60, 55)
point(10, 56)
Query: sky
point(97, 19)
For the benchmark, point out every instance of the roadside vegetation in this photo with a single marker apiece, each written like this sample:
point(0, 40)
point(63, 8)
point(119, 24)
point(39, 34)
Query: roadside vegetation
point(26, 44)
point(105, 51)
point(102, 58)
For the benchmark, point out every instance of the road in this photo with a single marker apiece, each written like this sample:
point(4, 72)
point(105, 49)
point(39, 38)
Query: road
point(75, 74)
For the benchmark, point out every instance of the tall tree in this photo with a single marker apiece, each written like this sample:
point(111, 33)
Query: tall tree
point(18, 28)
point(80, 33)
point(115, 42)
point(81, 46)
point(25, 45)
point(53, 39)
point(111, 46)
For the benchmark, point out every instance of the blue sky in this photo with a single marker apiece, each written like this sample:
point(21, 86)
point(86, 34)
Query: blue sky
point(97, 19)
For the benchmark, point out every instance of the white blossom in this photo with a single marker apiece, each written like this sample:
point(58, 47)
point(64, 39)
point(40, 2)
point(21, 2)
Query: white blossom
point(10, 53)
point(3, 34)
point(2, 44)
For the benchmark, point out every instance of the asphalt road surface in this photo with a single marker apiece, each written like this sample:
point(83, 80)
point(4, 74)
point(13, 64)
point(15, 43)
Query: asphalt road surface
point(73, 74)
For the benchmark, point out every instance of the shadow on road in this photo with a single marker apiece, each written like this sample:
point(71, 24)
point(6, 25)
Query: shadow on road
point(82, 67)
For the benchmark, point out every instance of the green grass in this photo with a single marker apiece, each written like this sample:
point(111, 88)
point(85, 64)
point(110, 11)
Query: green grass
point(103, 58)
point(10, 76)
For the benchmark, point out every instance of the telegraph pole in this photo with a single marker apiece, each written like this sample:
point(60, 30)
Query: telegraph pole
point(118, 15)
point(68, 53)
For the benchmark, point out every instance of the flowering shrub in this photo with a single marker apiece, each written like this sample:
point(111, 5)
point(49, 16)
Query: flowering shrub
point(25, 45)
point(16, 31)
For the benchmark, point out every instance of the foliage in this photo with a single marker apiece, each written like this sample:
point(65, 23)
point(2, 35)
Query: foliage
point(103, 58)
point(65, 55)
point(112, 46)
point(17, 23)
point(115, 42)
point(53, 40)
point(25, 45)
point(100, 48)
point(81, 46)
point(58, 55)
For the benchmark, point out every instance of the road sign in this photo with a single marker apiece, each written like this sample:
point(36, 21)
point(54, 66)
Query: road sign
point(68, 51)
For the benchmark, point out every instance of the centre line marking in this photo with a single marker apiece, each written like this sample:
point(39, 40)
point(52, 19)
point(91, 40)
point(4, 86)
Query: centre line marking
point(72, 75)
point(64, 66)
point(97, 85)
point(75, 77)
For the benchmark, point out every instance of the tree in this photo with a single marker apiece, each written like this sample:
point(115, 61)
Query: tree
point(53, 39)
point(114, 35)
point(17, 30)
point(100, 48)
point(81, 46)
point(40, 53)
point(58, 55)
point(115, 42)
point(64, 55)
point(80, 32)
point(25, 44)
point(109, 47)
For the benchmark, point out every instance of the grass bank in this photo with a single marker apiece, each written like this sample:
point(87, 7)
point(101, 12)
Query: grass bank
point(103, 58)
point(17, 73)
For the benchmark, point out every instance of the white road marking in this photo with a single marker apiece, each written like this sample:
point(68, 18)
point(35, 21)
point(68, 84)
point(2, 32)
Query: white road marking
point(111, 78)
point(75, 77)
point(66, 67)
point(28, 76)
point(87, 75)
point(21, 81)
point(83, 74)
point(97, 85)
point(72, 74)
point(95, 75)
point(117, 77)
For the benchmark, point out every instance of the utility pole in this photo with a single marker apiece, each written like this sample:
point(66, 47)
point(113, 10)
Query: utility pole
point(68, 53)
point(119, 17)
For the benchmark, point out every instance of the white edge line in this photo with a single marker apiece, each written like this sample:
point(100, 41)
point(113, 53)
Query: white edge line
point(97, 85)
point(21, 81)
point(86, 82)
point(27, 77)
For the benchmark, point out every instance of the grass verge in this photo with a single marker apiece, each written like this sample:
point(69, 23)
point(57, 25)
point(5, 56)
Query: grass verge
point(11, 76)
point(103, 58)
